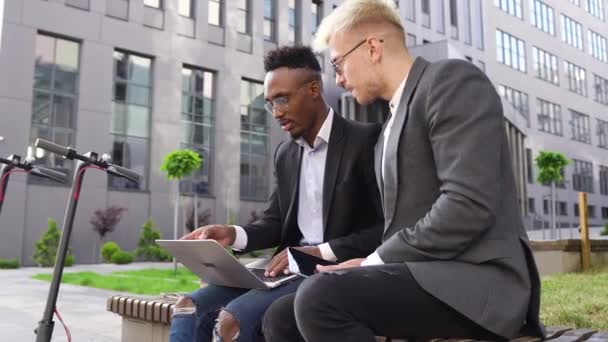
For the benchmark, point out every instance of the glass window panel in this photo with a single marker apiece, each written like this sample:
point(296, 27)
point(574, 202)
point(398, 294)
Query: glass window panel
point(208, 87)
point(120, 92)
point(214, 13)
point(138, 95)
point(137, 121)
point(207, 107)
point(41, 108)
point(259, 144)
point(187, 102)
point(139, 70)
point(67, 55)
point(65, 81)
point(153, 3)
point(184, 7)
point(63, 111)
point(186, 74)
point(39, 154)
point(119, 118)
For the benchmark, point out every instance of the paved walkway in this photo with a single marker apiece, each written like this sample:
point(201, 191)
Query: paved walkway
point(22, 301)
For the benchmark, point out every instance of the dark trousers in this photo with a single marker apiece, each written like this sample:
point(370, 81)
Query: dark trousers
point(360, 303)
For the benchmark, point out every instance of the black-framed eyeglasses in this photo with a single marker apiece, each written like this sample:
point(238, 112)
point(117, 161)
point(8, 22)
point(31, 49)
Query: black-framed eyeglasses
point(281, 102)
point(335, 64)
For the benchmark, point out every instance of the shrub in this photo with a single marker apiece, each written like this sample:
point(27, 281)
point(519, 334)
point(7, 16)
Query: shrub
point(147, 248)
point(108, 249)
point(121, 257)
point(9, 263)
point(45, 249)
point(604, 232)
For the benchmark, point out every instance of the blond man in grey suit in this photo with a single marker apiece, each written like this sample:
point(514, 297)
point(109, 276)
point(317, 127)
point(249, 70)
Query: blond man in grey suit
point(455, 260)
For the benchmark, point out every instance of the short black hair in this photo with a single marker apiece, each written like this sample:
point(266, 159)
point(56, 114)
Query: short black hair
point(292, 57)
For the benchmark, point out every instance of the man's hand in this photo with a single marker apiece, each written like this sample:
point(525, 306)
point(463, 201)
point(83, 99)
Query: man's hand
point(347, 264)
point(223, 234)
point(279, 263)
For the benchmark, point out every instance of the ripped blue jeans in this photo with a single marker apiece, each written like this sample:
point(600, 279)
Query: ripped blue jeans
point(246, 306)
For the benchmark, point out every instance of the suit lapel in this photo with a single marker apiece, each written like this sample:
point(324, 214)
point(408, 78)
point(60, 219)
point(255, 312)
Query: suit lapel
point(332, 164)
point(391, 156)
point(378, 162)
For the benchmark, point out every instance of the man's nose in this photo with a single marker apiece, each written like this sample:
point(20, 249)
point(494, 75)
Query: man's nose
point(340, 80)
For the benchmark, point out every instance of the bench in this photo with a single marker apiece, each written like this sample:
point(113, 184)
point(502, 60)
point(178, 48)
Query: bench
point(147, 319)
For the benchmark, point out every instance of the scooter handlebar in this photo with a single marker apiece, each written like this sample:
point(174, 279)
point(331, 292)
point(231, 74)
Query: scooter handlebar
point(52, 147)
point(50, 174)
point(120, 171)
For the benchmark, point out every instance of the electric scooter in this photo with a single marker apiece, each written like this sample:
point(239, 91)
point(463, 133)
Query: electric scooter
point(90, 160)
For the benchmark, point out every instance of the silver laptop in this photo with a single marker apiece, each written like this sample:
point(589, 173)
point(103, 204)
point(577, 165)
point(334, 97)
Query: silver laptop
point(216, 266)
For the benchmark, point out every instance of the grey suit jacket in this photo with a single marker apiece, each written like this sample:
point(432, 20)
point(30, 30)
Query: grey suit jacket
point(449, 199)
point(352, 213)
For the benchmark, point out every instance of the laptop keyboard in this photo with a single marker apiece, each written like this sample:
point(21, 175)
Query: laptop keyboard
point(259, 272)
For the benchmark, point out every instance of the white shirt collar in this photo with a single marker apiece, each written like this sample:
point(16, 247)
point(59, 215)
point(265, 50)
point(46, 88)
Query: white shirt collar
point(394, 103)
point(324, 132)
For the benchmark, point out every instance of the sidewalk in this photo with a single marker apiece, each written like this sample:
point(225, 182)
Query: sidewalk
point(22, 301)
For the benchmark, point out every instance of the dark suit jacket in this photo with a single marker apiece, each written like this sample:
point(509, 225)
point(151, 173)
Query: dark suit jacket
point(450, 202)
point(352, 214)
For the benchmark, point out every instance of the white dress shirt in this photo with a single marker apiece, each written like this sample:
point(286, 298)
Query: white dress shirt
point(310, 201)
point(374, 258)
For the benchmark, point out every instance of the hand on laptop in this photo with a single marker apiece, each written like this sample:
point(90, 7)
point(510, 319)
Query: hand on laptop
point(347, 264)
point(279, 263)
point(223, 234)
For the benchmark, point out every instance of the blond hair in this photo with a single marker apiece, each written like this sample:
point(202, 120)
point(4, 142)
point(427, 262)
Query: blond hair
point(353, 13)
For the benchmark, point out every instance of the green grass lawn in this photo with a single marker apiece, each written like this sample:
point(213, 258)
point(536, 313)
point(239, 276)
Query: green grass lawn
point(576, 300)
point(146, 281)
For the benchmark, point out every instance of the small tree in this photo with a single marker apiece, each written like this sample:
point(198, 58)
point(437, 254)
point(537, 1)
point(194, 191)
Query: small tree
point(551, 166)
point(147, 248)
point(104, 222)
point(46, 248)
point(177, 165)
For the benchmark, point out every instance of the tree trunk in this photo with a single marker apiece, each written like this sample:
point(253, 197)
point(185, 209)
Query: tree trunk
point(195, 210)
point(175, 223)
point(553, 236)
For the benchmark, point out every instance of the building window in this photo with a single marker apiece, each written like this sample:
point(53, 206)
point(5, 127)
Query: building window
point(130, 128)
point(197, 118)
point(545, 65)
point(561, 208)
point(572, 32)
point(55, 98)
point(531, 205)
point(541, 16)
point(605, 212)
point(270, 29)
point(410, 40)
point(595, 8)
point(576, 2)
point(591, 211)
point(600, 88)
point(582, 177)
point(82, 4)
point(293, 13)
point(518, 99)
point(510, 51)
point(215, 10)
point(513, 7)
point(440, 18)
point(454, 19)
point(410, 10)
point(254, 142)
point(576, 210)
point(604, 180)
point(602, 133)
point(316, 11)
point(577, 78)
point(243, 17)
point(581, 130)
point(598, 46)
point(546, 206)
point(425, 6)
point(549, 117)
point(529, 166)
point(185, 8)
point(153, 3)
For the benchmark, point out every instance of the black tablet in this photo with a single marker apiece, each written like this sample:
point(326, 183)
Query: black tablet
point(303, 263)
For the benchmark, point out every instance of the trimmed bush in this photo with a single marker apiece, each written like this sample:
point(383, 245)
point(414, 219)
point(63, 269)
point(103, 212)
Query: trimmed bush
point(9, 263)
point(147, 248)
point(46, 248)
point(122, 257)
point(604, 232)
point(108, 249)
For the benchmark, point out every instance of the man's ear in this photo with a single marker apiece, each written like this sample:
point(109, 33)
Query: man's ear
point(315, 89)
